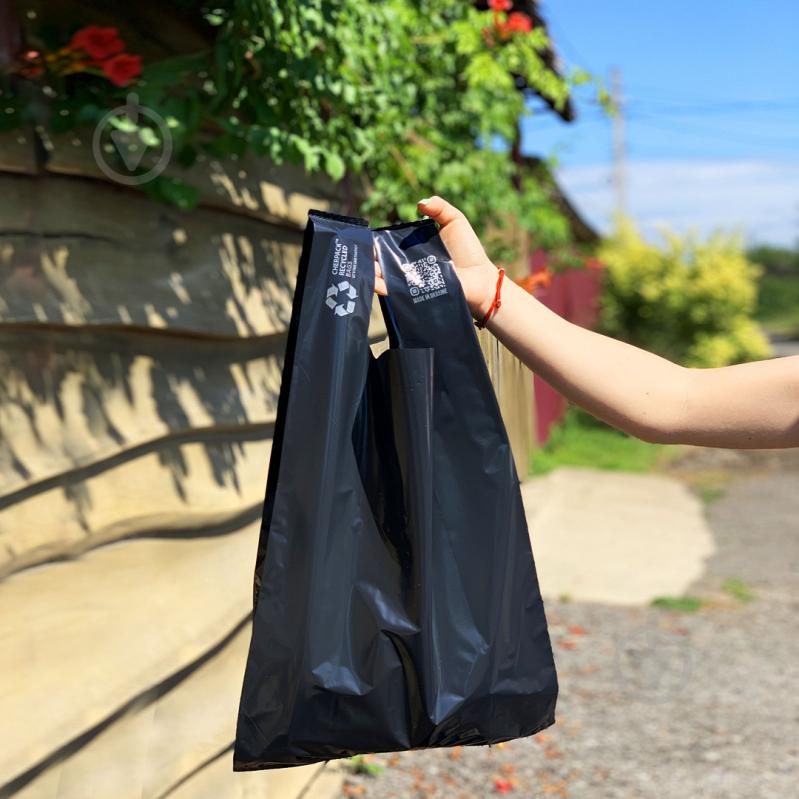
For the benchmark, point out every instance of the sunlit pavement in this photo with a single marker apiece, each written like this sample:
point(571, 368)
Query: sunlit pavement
point(615, 537)
point(783, 347)
point(658, 703)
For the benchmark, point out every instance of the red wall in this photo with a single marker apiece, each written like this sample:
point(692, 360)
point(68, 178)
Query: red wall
point(574, 295)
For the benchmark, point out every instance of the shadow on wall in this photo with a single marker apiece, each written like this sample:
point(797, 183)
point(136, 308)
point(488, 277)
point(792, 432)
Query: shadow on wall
point(140, 360)
point(141, 350)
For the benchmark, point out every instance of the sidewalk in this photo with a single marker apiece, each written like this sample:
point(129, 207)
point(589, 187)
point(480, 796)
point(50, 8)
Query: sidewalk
point(615, 537)
point(654, 703)
point(603, 537)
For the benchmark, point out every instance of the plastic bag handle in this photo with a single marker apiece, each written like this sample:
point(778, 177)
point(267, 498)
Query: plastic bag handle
point(390, 319)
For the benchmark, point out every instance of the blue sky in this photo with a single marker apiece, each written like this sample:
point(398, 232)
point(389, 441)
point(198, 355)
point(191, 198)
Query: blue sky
point(711, 89)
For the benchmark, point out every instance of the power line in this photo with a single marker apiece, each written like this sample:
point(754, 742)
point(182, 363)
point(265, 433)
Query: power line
point(717, 134)
point(668, 93)
point(686, 124)
point(561, 39)
point(735, 107)
point(699, 107)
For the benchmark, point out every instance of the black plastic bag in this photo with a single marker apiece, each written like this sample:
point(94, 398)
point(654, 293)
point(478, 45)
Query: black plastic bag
point(396, 604)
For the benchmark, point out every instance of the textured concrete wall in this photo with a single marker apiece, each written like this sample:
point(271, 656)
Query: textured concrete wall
point(140, 358)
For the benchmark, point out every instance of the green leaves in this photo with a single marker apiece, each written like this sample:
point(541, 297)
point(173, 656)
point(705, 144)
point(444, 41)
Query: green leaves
point(689, 300)
point(403, 92)
point(173, 191)
point(334, 164)
point(10, 113)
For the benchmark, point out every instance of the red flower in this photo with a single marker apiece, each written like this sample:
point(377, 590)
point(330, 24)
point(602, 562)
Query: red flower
point(98, 42)
point(519, 22)
point(500, 5)
point(543, 278)
point(121, 69)
point(31, 64)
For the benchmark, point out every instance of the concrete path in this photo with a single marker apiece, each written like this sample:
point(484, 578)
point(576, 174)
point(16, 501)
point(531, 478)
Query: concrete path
point(614, 537)
point(655, 703)
point(784, 347)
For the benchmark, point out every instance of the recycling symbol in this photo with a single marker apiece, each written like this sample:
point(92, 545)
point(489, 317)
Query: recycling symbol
point(341, 298)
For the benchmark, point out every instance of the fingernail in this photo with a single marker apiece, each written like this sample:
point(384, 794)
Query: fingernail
point(424, 201)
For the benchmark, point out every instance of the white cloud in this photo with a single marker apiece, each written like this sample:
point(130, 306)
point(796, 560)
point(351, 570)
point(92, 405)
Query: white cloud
point(758, 196)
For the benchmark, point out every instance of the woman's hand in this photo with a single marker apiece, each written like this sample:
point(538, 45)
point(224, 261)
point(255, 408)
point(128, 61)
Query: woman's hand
point(636, 391)
point(473, 267)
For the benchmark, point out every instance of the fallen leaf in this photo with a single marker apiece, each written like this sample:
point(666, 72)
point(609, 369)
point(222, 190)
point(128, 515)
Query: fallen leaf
point(566, 644)
point(576, 629)
point(503, 786)
point(551, 751)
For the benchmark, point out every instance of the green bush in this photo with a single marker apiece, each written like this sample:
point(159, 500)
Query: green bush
point(778, 304)
point(403, 97)
point(689, 300)
point(581, 439)
point(781, 261)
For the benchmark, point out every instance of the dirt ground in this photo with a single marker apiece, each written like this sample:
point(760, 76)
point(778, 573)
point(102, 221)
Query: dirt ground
point(696, 699)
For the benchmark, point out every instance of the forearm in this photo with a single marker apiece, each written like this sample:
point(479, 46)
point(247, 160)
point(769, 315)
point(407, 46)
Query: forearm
point(630, 388)
point(747, 405)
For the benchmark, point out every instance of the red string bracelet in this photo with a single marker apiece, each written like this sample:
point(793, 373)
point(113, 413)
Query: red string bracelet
point(495, 304)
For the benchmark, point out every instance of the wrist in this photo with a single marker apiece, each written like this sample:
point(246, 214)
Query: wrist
point(486, 288)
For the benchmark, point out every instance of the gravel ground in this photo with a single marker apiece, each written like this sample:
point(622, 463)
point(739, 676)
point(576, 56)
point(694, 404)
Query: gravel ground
point(657, 703)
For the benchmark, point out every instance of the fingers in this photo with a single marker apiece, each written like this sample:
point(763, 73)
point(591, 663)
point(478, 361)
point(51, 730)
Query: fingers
point(439, 209)
point(436, 208)
point(380, 283)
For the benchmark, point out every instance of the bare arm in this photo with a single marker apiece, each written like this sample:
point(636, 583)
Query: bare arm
point(751, 405)
point(745, 405)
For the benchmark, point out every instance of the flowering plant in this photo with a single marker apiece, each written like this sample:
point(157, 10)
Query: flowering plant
point(401, 97)
point(531, 282)
point(506, 25)
point(93, 50)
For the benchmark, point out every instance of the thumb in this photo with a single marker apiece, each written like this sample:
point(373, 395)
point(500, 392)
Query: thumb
point(440, 210)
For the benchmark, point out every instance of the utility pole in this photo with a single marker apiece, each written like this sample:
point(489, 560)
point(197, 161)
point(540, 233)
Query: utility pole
point(619, 144)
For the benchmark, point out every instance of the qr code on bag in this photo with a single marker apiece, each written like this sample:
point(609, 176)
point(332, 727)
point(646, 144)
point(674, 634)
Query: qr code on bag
point(424, 278)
